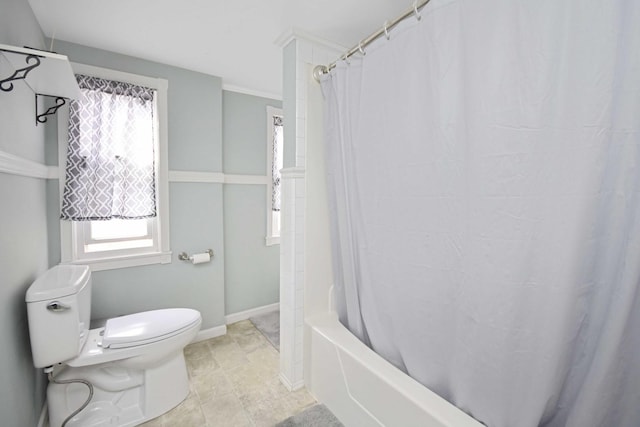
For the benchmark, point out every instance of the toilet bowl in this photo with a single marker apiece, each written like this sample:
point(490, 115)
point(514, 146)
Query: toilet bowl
point(135, 363)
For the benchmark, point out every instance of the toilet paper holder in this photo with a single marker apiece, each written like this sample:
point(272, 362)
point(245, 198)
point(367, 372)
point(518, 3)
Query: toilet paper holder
point(183, 256)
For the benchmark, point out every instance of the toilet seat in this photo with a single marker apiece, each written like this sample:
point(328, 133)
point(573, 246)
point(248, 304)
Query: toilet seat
point(147, 327)
point(171, 334)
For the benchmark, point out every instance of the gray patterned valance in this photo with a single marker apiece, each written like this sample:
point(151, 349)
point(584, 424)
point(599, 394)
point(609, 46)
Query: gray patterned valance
point(110, 169)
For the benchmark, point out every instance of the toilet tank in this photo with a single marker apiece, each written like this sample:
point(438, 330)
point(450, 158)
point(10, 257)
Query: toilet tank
point(59, 312)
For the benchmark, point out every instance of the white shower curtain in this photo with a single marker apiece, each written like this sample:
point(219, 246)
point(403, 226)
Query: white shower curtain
point(484, 182)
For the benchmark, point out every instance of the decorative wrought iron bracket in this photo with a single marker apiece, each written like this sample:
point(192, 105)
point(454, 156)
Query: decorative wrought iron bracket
point(42, 117)
point(6, 85)
point(53, 77)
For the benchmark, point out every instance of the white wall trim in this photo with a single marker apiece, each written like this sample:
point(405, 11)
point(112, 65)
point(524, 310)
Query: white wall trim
point(218, 331)
point(111, 74)
point(273, 240)
point(194, 176)
point(244, 315)
point(246, 179)
point(292, 172)
point(296, 33)
point(17, 165)
point(217, 178)
point(252, 92)
point(125, 261)
point(53, 172)
point(205, 334)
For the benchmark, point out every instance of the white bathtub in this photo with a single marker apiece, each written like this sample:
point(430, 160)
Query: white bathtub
point(362, 389)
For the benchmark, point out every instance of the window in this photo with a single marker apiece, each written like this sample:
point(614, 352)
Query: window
point(114, 204)
point(275, 141)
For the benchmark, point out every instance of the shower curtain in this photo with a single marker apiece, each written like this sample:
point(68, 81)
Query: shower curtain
point(483, 167)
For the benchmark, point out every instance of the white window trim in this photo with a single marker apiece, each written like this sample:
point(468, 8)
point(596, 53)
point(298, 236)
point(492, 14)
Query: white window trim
point(271, 111)
point(67, 243)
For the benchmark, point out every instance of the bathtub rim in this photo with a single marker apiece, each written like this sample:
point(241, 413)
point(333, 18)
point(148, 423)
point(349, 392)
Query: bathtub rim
point(440, 410)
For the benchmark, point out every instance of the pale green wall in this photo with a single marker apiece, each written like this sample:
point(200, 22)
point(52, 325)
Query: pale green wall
point(245, 133)
point(195, 223)
point(23, 233)
point(195, 144)
point(252, 275)
point(207, 129)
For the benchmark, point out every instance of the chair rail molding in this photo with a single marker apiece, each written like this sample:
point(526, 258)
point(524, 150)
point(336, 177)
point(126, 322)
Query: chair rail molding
point(16, 165)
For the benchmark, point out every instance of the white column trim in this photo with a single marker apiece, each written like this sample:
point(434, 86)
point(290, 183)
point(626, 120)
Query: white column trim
point(289, 385)
point(293, 172)
point(295, 33)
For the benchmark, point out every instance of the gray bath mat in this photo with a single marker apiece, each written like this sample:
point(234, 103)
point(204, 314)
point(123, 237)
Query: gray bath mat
point(315, 416)
point(269, 325)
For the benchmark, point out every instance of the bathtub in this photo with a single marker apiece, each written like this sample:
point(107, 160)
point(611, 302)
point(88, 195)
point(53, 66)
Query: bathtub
point(363, 389)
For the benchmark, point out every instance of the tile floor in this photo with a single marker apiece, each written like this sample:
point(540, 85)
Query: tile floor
point(234, 382)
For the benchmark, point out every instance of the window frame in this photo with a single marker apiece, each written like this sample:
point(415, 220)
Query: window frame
point(70, 231)
point(271, 239)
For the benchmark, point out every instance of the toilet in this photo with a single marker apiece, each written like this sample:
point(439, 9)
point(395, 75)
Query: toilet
point(134, 364)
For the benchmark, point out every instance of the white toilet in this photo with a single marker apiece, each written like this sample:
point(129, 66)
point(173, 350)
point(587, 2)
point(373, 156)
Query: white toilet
point(135, 363)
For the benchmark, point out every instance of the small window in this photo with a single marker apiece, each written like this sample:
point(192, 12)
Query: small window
point(116, 235)
point(114, 190)
point(275, 143)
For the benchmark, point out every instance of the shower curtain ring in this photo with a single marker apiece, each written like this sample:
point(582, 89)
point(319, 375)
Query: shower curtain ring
point(415, 11)
point(386, 30)
point(362, 52)
point(345, 58)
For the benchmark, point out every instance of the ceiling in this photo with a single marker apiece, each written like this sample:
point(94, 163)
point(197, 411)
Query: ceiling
point(235, 40)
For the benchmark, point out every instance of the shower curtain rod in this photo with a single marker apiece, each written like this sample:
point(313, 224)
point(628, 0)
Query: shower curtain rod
point(319, 70)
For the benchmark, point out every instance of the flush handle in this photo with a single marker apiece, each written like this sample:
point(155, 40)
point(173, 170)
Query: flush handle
point(57, 306)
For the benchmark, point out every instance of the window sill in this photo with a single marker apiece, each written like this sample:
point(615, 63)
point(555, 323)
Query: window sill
point(113, 263)
point(270, 241)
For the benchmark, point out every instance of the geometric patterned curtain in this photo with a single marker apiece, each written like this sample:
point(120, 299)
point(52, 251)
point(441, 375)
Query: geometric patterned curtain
point(276, 163)
point(110, 169)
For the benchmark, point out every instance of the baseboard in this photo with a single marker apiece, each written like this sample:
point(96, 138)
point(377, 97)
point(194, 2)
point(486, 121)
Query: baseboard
point(218, 331)
point(244, 315)
point(43, 421)
point(289, 385)
point(206, 334)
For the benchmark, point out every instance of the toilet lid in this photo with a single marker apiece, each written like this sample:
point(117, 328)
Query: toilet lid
point(146, 327)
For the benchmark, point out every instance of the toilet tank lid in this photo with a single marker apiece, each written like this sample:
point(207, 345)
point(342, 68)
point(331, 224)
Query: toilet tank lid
point(57, 282)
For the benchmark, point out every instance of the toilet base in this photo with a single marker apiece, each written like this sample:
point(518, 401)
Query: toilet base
point(122, 397)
